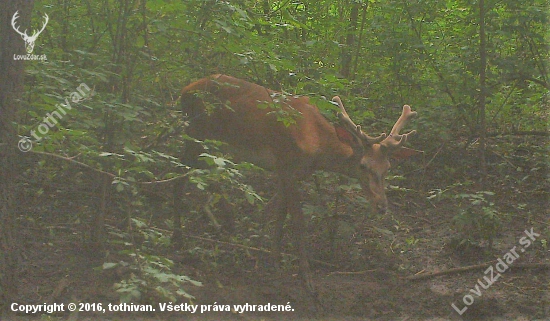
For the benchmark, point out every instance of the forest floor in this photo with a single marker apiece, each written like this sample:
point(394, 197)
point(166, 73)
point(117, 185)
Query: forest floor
point(364, 272)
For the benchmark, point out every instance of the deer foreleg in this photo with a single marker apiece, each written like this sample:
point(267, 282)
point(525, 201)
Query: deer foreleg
point(276, 211)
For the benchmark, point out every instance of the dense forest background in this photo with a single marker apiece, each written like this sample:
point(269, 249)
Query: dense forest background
point(476, 71)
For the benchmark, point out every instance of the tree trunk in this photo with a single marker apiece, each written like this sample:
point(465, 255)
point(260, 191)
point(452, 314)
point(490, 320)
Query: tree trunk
point(482, 89)
point(345, 69)
point(358, 46)
point(11, 89)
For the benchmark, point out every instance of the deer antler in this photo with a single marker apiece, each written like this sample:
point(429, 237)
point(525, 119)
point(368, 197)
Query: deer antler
point(35, 33)
point(395, 140)
point(15, 16)
point(355, 129)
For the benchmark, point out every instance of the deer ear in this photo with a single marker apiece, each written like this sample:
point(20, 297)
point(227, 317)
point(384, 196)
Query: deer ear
point(344, 136)
point(405, 152)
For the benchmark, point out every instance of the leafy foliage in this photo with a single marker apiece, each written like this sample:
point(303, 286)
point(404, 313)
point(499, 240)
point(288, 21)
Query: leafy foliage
point(149, 277)
point(480, 219)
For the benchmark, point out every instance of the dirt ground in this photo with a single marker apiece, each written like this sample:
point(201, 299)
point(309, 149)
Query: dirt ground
point(363, 274)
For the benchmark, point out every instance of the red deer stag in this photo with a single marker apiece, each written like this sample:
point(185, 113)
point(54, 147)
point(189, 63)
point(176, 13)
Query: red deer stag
point(244, 115)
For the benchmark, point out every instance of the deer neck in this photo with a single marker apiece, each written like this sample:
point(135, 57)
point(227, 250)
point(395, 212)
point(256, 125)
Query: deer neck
point(337, 157)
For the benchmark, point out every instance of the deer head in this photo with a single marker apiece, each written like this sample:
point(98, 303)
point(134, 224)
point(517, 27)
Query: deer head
point(29, 40)
point(371, 155)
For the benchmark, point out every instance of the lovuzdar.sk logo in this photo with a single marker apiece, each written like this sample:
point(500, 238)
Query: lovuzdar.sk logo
point(29, 40)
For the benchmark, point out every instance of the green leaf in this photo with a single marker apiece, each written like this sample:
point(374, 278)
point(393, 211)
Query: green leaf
point(107, 266)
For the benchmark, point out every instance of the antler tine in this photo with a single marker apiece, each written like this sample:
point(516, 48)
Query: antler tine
point(43, 26)
point(13, 19)
point(355, 129)
point(406, 115)
point(394, 143)
point(396, 140)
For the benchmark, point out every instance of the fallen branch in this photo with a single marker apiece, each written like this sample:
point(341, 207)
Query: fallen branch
point(351, 272)
point(477, 267)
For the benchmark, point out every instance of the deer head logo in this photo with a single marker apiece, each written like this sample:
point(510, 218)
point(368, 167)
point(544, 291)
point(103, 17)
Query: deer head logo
point(29, 40)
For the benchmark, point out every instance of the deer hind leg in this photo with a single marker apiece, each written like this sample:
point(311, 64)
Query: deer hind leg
point(276, 212)
point(292, 199)
point(178, 206)
point(181, 203)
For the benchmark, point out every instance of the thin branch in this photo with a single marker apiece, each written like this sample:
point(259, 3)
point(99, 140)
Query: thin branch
point(505, 159)
point(436, 153)
point(521, 133)
point(539, 82)
point(360, 40)
point(282, 6)
point(477, 267)
point(77, 163)
point(74, 162)
point(504, 102)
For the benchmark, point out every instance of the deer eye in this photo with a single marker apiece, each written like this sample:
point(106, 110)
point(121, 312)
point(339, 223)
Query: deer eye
point(364, 166)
